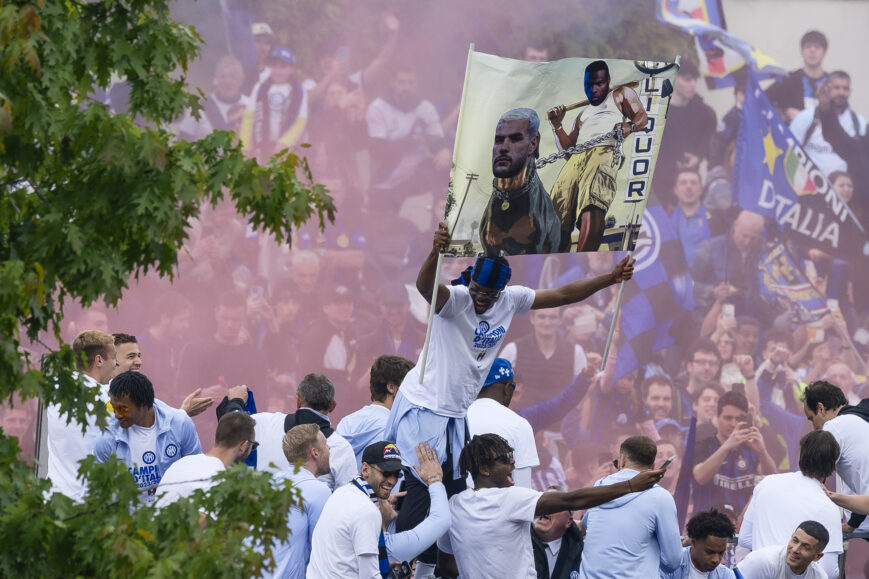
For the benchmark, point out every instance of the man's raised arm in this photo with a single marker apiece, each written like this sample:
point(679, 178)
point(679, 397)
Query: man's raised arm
point(428, 272)
point(554, 502)
point(580, 289)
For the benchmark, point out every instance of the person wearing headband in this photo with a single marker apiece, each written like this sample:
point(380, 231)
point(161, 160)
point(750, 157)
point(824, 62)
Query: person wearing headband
point(472, 318)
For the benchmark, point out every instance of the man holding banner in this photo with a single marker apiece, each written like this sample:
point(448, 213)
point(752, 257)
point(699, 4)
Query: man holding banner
point(471, 320)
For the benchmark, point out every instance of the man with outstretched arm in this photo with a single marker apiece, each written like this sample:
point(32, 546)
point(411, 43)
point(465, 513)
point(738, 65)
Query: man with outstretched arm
point(490, 531)
point(472, 318)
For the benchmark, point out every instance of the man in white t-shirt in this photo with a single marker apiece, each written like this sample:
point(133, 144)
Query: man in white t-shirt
point(490, 533)
point(781, 501)
point(305, 445)
point(490, 414)
point(233, 441)
point(366, 425)
point(67, 445)
point(146, 434)
point(826, 406)
point(467, 332)
point(348, 539)
point(797, 559)
point(315, 400)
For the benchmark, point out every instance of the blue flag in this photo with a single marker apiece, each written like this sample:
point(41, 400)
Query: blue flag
point(773, 176)
point(721, 53)
point(660, 296)
point(782, 282)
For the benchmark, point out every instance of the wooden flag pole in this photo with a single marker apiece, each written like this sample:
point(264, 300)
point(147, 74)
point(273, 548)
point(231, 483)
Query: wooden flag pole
point(609, 340)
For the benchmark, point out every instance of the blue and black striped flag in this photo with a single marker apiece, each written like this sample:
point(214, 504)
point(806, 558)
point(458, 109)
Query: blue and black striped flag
point(660, 298)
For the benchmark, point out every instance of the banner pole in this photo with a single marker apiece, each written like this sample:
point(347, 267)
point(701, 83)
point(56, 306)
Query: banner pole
point(431, 315)
point(629, 232)
point(471, 177)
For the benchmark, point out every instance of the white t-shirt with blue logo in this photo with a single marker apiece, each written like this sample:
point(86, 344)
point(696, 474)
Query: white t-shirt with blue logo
point(143, 454)
point(463, 347)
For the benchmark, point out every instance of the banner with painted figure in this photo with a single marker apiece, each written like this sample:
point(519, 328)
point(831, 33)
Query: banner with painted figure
point(555, 157)
point(775, 177)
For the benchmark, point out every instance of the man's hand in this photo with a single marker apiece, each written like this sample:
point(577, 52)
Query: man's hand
point(646, 479)
point(429, 470)
point(846, 528)
point(738, 437)
point(387, 509)
point(441, 237)
point(755, 440)
point(238, 392)
point(745, 363)
point(556, 116)
point(624, 270)
point(723, 291)
point(625, 127)
point(823, 96)
point(193, 405)
point(779, 356)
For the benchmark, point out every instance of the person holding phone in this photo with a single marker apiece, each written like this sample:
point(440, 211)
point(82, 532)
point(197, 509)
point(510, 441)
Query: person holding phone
point(728, 464)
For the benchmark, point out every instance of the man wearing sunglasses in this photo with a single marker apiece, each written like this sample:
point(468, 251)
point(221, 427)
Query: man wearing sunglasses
point(473, 317)
point(147, 434)
point(490, 532)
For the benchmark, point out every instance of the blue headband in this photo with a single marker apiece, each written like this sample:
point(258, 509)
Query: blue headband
point(490, 273)
point(501, 371)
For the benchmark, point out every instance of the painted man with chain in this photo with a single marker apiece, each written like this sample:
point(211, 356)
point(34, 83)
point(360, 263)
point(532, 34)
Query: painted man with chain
point(585, 188)
point(520, 217)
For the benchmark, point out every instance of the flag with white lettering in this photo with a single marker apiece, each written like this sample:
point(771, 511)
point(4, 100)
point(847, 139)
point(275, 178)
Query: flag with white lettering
point(783, 283)
point(554, 157)
point(775, 177)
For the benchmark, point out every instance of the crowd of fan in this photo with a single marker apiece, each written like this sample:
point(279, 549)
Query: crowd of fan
point(306, 327)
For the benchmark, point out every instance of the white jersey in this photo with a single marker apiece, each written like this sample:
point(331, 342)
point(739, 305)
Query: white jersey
point(598, 120)
point(187, 474)
point(490, 532)
point(486, 416)
point(463, 347)
point(770, 563)
point(67, 446)
point(781, 502)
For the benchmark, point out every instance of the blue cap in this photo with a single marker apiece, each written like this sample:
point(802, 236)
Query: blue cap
point(282, 53)
point(501, 371)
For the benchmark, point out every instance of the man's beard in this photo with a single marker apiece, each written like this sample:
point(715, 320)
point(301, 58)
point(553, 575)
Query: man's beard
point(513, 178)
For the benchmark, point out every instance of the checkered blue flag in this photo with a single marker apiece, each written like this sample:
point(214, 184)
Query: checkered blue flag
point(660, 297)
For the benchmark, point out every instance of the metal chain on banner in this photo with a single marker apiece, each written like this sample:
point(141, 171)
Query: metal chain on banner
point(613, 134)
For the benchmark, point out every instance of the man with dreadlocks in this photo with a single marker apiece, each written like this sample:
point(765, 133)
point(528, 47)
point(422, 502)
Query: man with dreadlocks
point(472, 318)
point(490, 533)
